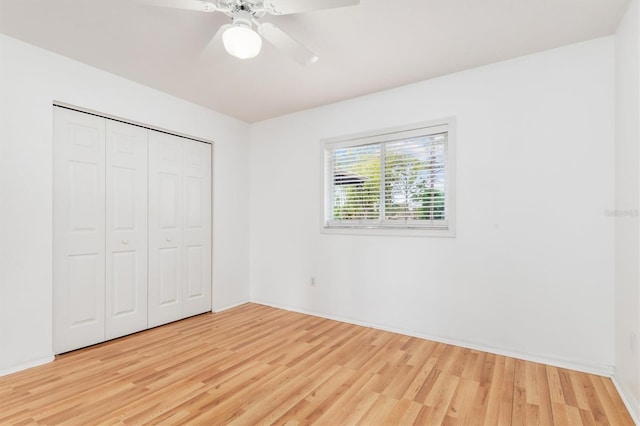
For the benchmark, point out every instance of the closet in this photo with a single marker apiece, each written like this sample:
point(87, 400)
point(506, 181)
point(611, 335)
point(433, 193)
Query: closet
point(132, 228)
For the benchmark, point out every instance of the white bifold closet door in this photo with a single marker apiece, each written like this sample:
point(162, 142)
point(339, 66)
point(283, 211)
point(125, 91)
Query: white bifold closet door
point(126, 229)
point(179, 228)
point(132, 229)
point(100, 229)
point(79, 228)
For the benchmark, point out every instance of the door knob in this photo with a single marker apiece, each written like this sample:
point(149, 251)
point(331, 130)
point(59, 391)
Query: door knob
point(125, 242)
point(168, 239)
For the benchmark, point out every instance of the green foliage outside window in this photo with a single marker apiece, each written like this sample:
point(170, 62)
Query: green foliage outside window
point(413, 182)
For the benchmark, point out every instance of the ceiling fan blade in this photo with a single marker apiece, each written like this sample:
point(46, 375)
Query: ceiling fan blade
point(287, 44)
point(198, 5)
point(286, 7)
point(213, 46)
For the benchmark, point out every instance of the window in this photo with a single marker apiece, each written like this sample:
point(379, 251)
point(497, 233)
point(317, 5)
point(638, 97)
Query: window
point(397, 181)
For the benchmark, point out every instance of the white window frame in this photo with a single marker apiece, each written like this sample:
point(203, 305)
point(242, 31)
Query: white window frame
point(387, 135)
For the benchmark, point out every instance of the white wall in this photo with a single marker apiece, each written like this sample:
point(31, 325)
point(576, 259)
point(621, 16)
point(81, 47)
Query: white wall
point(30, 80)
point(530, 272)
point(627, 231)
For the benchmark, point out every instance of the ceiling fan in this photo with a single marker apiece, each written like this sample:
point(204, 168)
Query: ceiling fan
point(240, 39)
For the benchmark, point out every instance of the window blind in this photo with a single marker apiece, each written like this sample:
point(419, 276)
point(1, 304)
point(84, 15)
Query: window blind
point(399, 182)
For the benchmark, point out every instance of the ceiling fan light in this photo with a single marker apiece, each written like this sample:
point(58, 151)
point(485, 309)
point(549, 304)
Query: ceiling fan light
point(242, 42)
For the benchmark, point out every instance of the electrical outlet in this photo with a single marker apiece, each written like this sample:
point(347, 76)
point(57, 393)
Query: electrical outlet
point(312, 282)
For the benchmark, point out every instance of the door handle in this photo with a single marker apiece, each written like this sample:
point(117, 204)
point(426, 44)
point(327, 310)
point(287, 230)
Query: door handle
point(125, 242)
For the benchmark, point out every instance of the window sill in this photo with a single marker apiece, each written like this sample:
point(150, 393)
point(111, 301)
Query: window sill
point(396, 232)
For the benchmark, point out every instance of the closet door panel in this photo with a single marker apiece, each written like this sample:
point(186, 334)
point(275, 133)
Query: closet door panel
point(197, 227)
point(79, 230)
point(126, 224)
point(165, 233)
point(169, 283)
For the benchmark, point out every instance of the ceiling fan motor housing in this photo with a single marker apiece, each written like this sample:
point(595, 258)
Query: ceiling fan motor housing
point(242, 17)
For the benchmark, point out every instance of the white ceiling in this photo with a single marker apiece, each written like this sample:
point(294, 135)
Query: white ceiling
point(376, 45)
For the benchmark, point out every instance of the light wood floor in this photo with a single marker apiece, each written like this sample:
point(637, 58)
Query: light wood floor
point(259, 365)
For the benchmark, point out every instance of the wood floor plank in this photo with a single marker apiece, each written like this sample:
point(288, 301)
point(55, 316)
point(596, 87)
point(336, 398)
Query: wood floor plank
point(316, 403)
point(508, 394)
point(520, 413)
point(258, 365)
point(442, 399)
point(424, 370)
point(493, 383)
point(377, 413)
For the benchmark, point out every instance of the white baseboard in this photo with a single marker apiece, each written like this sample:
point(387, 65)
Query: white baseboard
point(216, 309)
point(633, 406)
point(26, 365)
point(600, 370)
